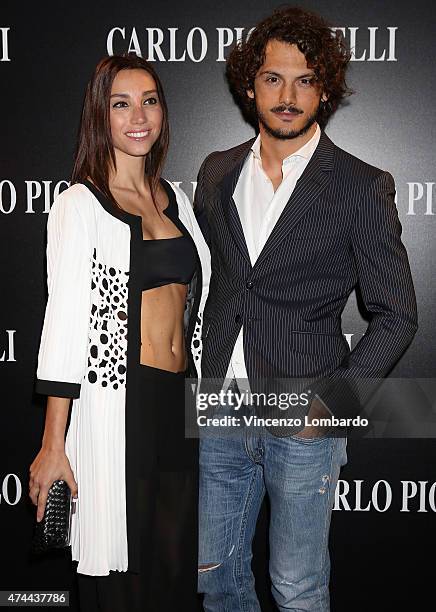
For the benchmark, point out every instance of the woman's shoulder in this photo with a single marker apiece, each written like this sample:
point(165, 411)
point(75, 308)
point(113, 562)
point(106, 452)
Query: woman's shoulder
point(77, 194)
point(76, 197)
point(73, 205)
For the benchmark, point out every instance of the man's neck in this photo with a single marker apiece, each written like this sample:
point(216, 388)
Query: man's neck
point(273, 150)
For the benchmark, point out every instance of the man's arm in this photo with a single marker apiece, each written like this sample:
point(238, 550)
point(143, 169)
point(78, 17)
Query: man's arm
point(199, 202)
point(387, 290)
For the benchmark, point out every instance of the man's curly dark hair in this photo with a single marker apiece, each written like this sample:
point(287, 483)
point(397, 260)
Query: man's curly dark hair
point(324, 49)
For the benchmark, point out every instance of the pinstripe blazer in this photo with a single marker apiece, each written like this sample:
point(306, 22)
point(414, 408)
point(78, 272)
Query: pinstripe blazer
point(339, 229)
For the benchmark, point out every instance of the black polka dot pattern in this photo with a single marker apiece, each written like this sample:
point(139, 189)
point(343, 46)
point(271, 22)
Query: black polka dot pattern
point(107, 352)
point(196, 339)
point(196, 334)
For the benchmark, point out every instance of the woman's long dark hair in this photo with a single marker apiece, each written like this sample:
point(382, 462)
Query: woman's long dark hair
point(95, 152)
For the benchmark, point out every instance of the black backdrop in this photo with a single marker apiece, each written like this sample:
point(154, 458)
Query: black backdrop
point(382, 529)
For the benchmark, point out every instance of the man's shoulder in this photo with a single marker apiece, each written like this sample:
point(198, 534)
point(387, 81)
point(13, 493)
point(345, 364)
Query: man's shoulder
point(233, 153)
point(219, 163)
point(350, 166)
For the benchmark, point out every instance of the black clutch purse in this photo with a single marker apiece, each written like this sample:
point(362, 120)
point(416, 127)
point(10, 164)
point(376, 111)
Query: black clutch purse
point(54, 530)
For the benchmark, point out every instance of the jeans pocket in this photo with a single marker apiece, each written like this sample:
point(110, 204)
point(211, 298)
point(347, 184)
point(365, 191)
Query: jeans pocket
point(314, 440)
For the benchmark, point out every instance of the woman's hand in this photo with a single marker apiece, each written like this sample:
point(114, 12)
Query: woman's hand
point(49, 465)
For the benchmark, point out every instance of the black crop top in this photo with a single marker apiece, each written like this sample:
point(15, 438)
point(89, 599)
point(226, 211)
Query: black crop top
point(169, 260)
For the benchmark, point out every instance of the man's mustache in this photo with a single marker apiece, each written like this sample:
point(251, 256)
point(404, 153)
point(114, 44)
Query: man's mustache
point(283, 108)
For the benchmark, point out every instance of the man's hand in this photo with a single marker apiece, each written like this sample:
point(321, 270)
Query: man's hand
point(317, 410)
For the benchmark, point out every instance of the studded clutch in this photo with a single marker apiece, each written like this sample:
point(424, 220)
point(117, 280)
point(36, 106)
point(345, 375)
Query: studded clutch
point(53, 531)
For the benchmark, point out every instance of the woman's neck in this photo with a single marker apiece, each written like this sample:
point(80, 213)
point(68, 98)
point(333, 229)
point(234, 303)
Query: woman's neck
point(130, 173)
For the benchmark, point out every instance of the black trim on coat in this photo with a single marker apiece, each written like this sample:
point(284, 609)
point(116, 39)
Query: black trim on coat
point(57, 389)
point(133, 398)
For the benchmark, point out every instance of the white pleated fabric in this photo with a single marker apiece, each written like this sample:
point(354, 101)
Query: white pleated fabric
point(87, 248)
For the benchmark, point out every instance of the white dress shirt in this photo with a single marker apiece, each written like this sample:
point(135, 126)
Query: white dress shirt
point(259, 208)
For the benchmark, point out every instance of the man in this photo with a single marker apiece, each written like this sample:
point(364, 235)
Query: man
point(294, 224)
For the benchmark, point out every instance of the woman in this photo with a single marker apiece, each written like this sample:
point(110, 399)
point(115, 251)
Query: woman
point(128, 272)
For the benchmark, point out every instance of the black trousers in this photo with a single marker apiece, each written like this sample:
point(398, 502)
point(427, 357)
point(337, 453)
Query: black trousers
point(169, 509)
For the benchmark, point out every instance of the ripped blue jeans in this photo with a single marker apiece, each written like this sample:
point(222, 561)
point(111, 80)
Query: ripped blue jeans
point(300, 477)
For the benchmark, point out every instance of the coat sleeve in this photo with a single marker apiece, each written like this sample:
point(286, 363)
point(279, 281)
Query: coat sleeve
point(200, 202)
point(386, 286)
point(64, 340)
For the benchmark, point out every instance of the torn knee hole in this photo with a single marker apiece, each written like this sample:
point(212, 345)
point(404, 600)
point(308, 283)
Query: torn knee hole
point(207, 567)
point(325, 480)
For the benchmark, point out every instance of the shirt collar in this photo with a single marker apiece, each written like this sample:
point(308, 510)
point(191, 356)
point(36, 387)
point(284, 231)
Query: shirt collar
point(306, 151)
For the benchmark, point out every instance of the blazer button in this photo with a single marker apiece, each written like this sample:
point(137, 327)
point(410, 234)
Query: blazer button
point(249, 284)
point(238, 318)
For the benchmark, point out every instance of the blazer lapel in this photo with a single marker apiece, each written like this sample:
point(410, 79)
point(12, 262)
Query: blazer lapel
point(308, 188)
point(226, 189)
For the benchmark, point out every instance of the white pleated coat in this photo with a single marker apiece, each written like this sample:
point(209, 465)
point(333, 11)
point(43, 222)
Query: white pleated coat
point(89, 351)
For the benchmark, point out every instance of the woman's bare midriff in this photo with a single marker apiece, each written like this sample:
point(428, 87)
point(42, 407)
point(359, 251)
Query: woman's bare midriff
point(162, 330)
point(162, 308)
